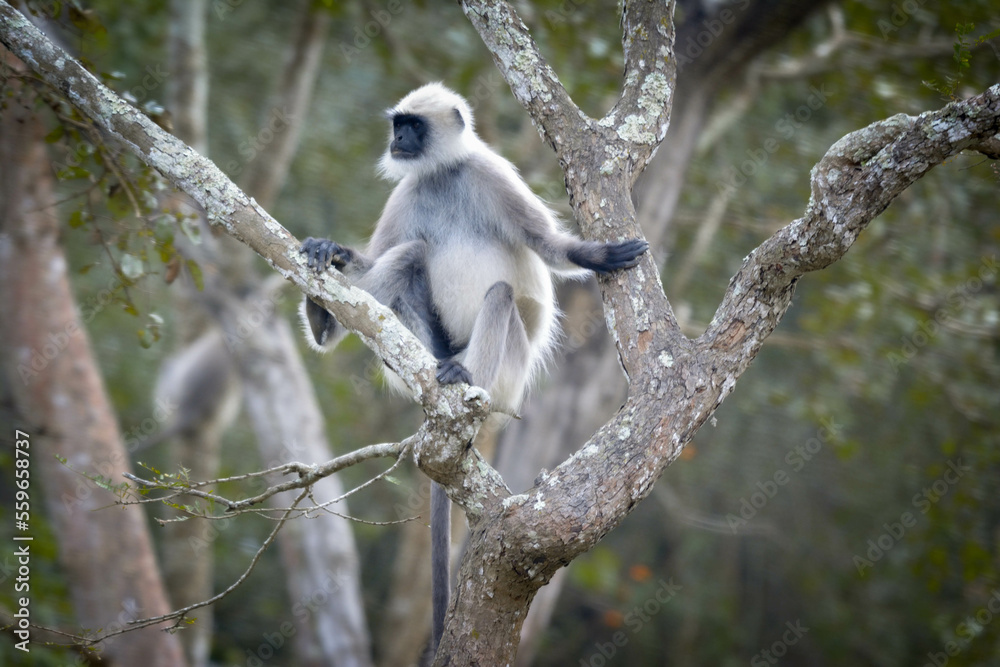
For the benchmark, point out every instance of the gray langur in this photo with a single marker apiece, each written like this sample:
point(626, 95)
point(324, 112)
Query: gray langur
point(464, 253)
point(198, 392)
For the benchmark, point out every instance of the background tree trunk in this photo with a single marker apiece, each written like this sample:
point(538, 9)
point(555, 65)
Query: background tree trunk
point(65, 410)
point(678, 383)
point(258, 347)
point(200, 377)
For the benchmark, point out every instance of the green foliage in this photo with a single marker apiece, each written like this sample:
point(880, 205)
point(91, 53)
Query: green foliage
point(962, 57)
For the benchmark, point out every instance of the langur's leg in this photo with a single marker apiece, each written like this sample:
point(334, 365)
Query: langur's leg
point(498, 345)
point(398, 279)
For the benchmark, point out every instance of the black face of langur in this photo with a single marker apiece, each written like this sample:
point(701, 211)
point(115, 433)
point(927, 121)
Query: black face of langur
point(409, 134)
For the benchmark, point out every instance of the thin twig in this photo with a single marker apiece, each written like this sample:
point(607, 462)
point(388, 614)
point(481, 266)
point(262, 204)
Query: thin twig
point(179, 614)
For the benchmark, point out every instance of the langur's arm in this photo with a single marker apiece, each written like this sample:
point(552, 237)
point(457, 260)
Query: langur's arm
point(536, 226)
point(562, 251)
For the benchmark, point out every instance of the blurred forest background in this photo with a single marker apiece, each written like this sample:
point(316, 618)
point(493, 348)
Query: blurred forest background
point(824, 495)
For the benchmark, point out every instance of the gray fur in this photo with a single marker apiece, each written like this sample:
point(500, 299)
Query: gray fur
point(397, 278)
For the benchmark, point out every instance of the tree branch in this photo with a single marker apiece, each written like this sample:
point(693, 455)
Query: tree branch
point(637, 124)
point(307, 476)
point(641, 116)
point(854, 182)
point(531, 79)
point(224, 203)
point(676, 386)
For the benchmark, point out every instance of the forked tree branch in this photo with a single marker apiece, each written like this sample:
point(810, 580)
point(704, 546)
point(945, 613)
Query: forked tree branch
point(531, 78)
point(677, 384)
point(853, 183)
point(630, 132)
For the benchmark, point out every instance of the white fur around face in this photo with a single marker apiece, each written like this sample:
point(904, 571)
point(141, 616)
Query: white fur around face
point(449, 140)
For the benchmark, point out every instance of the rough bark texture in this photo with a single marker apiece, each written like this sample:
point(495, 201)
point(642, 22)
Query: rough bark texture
point(585, 387)
point(681, 383)
point(107, 554)
point(519, 541)
point(406, 620)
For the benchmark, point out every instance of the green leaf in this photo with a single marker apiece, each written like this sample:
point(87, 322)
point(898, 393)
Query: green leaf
point(55, 135)
point(164, 229)
point(70, 173)
point(196, 274)
point(118, 202)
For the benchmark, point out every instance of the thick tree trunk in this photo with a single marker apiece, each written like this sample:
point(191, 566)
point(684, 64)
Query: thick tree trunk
point(66, 412)
point(587, 386)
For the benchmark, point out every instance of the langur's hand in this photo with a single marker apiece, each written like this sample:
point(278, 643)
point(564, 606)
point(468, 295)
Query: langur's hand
point(624, 254)
point(323, 253)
